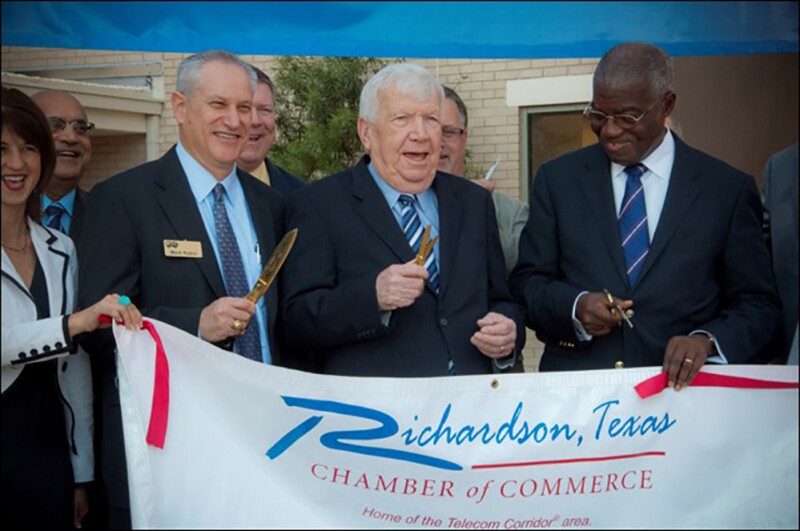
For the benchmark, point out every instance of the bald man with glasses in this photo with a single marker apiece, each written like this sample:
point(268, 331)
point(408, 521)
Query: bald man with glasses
point(63, 202)
point(511, 214)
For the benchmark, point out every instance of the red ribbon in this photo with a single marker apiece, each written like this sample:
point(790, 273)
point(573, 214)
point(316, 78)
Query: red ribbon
point(159, 409)
point(656, 384)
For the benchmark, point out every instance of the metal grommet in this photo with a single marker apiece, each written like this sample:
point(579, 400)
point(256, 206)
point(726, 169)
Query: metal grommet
point(495, 383)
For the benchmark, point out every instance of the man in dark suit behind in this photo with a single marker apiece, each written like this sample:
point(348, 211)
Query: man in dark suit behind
point(253, 158)
point(166, 234)
point(353, 294)
point(700, 283)
point(780, 203)
point(63, 203)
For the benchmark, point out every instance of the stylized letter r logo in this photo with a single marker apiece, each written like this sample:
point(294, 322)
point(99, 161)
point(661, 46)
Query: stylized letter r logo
point(335, 439)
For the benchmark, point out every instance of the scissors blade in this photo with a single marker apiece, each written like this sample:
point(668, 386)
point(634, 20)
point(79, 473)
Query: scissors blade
point(423, 247)
point(614, 305)
point(276, 260)
point(429, 250)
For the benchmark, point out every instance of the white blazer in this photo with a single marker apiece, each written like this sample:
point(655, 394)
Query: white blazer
point(28, 340)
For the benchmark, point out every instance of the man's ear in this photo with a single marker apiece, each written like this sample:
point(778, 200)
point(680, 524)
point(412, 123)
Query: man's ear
point(179, 101)
point(669, 103)
point(363, 133)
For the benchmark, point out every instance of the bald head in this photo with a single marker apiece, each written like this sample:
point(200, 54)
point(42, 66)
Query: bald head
point(72, 140)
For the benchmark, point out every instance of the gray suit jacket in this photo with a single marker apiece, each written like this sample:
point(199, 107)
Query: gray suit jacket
point(511, 218)
point(780, 201)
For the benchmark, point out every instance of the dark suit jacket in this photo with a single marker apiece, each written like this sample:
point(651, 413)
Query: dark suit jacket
point(347, 235)
point(708, 266)
point(78, 210)
point(127, 219)
point(282, 180)
point(780, 200)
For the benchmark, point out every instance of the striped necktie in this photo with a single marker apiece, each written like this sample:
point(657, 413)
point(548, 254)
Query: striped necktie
point(249, 343)
point(633, 223)
point(412, 227)
point(55, 212)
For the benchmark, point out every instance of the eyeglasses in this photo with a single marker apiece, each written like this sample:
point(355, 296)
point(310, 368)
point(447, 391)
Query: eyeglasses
point(624, 121)
point(81, 127)
point(452, 132)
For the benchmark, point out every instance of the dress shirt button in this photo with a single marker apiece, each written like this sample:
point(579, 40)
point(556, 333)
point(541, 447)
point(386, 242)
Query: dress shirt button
point(619, 364)
point(443, 322)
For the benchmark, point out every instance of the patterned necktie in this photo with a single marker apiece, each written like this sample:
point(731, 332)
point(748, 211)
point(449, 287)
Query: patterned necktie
point(412, 227)
point(55, 211)
point(633, 223)
point(233, 272)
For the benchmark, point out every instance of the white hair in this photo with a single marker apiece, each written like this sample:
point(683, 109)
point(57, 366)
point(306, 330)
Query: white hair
point(407, 79)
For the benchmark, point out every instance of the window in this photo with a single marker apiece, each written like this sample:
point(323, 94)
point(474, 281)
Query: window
point(548, 132)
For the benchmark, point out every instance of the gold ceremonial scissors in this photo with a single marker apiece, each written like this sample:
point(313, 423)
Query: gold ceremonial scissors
point(425, 247)
point(615, 307)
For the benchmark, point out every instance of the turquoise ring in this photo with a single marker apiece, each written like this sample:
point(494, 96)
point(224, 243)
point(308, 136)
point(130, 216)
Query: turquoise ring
point(124, 300)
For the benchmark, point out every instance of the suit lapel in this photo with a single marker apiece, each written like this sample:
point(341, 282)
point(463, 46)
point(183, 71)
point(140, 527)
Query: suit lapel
point(449, 227)
point(681, 193)
point(377, 214)
point(77, 214)
point(178, 204)
point(599, 194)
point(54, 263)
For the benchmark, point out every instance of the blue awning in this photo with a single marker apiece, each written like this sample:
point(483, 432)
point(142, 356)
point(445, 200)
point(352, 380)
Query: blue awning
point(510, 30)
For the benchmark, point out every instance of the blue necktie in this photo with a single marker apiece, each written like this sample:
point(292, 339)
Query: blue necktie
point(55, 211)
point(633, 223)
point(249, 343)
point(412, 227)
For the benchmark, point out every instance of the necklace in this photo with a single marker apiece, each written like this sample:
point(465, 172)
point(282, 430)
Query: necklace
point(20, 249)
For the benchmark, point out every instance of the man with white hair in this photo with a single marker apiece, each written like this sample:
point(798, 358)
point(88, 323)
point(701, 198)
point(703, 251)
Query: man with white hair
point(353, 293)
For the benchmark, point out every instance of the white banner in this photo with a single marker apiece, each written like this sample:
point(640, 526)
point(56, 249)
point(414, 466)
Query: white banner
point(251, 445)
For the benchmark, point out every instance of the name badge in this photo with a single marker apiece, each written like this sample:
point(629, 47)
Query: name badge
point(182, 249)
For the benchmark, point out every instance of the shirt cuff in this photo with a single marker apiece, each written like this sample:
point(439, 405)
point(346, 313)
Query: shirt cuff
point(717, 356)
point(580, 331)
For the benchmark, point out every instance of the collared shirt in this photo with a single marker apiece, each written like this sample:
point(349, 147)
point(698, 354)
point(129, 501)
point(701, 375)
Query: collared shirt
point(262, 173)
point(202, 184)
point(426, 202)
point(654, 181)
point(67, 202)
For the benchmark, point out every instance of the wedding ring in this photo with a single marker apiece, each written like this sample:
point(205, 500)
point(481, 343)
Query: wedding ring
point(237, 324)
point(124, 300)
point(688, 361)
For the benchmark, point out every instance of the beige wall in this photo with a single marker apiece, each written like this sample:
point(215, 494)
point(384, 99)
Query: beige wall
point(739, 108)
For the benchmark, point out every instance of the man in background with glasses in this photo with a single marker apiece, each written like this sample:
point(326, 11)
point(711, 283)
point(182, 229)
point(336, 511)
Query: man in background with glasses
point(511, 214)
point(640, 250)
point(63, 202)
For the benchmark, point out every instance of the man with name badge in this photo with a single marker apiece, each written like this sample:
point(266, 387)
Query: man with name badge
point(185, 237)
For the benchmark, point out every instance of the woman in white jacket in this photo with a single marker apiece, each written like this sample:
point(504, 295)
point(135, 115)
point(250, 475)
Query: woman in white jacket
point(46, 384)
